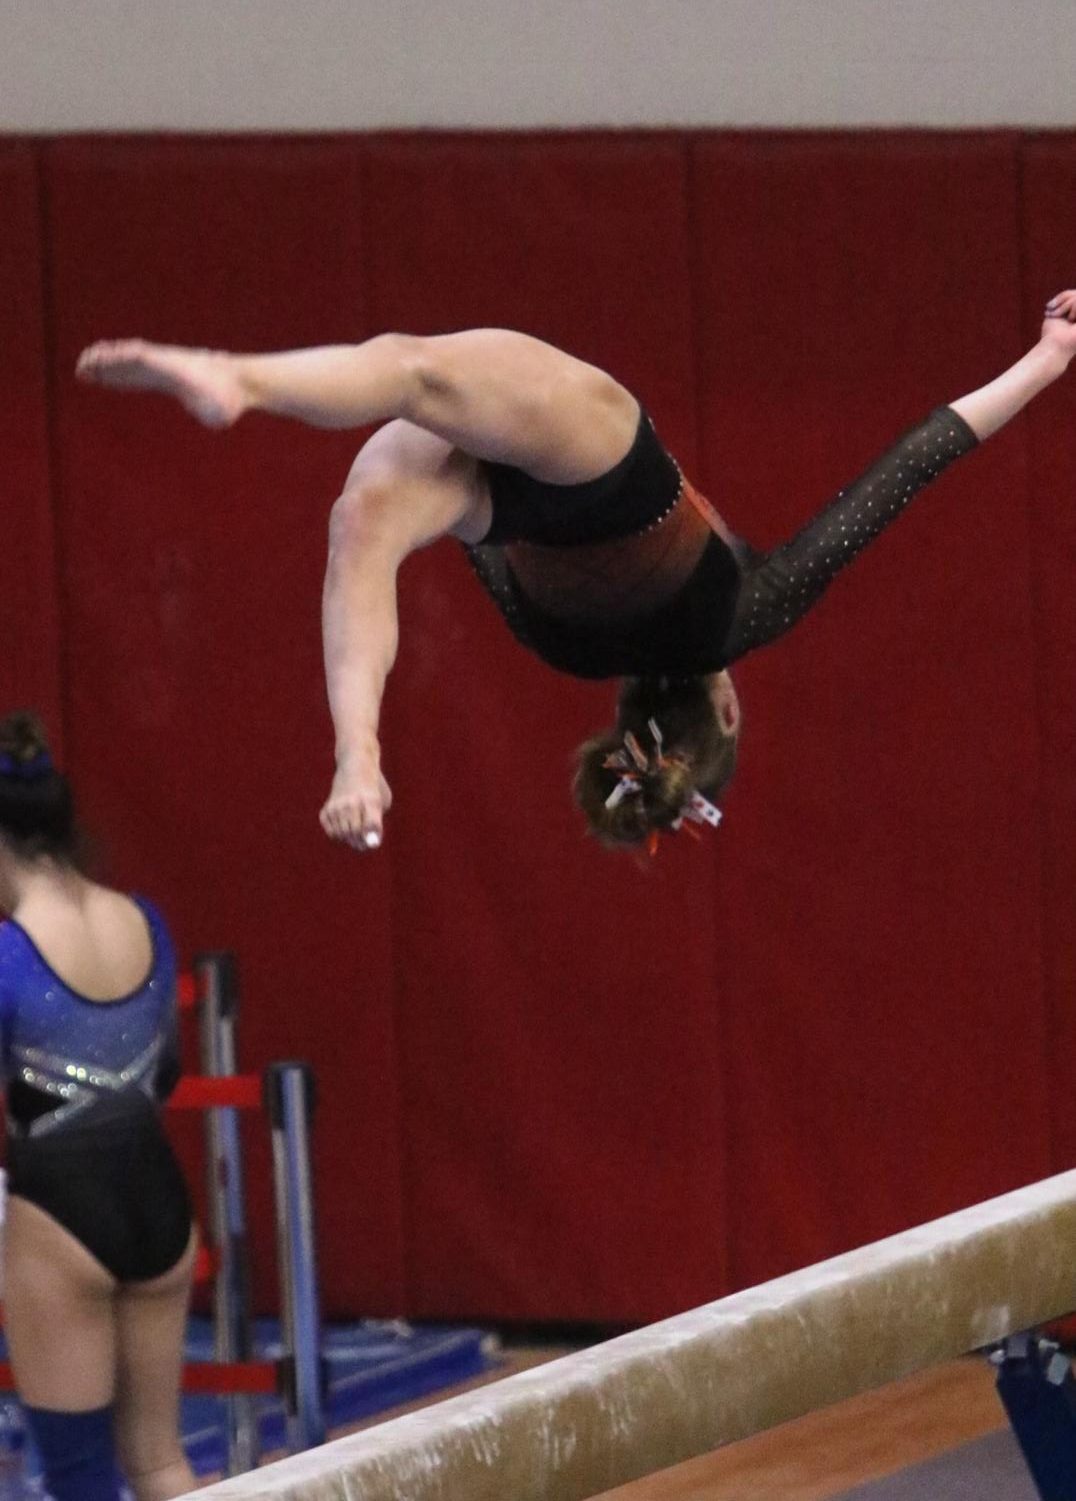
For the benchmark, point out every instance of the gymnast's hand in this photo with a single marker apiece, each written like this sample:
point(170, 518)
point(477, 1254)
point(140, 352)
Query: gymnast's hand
point(356, 806)
point(208, 384)
point(1060, 324)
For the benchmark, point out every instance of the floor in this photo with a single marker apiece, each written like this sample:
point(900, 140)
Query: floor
point(827, 1453)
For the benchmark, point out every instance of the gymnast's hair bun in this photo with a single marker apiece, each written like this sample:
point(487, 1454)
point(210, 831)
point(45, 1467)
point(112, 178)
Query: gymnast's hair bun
point(37, 815)
point(22, 739)
point(659, 802)
point(693, 754)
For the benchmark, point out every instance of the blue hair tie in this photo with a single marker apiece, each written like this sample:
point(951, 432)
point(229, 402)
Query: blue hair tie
point(34, 770)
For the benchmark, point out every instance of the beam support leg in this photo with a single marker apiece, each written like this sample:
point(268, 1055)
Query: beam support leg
point(1038, 1391)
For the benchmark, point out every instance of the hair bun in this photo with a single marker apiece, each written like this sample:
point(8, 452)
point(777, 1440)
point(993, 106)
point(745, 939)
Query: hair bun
point(642, 776)
point(663, 789)
point(22, 739)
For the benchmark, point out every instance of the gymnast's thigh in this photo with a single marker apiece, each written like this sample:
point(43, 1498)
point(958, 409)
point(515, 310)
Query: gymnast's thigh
point(58, 1313)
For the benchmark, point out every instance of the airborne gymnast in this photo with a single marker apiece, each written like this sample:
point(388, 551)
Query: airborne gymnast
point(598, 551)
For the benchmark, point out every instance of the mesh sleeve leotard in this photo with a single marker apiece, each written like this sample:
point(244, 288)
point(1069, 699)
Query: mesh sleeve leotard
point(735, 598)
point(84, 1083)
point(779, 587)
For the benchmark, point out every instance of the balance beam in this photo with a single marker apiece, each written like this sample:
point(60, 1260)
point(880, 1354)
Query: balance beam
point(598, 1419)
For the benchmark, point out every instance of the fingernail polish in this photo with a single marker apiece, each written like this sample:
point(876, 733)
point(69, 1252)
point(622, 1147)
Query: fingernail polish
point(373, 840)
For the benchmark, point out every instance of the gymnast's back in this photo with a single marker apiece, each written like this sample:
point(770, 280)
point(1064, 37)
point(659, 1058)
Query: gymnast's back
point(87, 1010)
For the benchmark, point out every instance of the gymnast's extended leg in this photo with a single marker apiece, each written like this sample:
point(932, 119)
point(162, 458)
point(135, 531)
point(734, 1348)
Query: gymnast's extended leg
point(495, 393)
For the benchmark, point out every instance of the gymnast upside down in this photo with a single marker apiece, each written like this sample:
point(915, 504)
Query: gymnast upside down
point(600, 554)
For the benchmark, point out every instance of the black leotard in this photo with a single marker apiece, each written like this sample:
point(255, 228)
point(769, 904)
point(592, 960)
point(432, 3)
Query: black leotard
point(736, 599)
point(635, 494)
point(85, 1081)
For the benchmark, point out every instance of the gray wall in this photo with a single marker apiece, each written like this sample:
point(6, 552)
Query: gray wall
point(355, 64)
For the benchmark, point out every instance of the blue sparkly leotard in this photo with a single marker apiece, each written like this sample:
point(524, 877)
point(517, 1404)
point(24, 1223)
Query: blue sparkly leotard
point(577, 570)
point(84, 1082)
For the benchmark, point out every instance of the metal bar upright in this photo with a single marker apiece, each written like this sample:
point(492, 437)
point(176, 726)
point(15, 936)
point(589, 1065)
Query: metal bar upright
point(232, 1329)
point(289, 1089)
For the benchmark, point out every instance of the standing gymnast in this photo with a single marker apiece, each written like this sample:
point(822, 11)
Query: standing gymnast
point(98, 1239)
point(599, 553)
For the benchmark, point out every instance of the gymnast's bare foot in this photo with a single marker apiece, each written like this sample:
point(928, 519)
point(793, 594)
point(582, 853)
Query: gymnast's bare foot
point(206, 383)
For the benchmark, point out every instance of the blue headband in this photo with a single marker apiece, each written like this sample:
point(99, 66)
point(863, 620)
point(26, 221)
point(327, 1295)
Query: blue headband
point(34, 770)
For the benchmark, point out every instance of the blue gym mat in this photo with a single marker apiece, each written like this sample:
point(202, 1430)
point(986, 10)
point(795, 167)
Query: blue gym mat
point(373, 1366)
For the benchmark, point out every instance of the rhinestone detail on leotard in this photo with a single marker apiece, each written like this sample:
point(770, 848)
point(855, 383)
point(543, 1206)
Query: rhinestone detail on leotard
point(779, 587)
point(76, 1050)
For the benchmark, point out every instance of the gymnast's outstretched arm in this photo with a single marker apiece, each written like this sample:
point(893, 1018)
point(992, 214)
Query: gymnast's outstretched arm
point(406, 488)
point(779, 587)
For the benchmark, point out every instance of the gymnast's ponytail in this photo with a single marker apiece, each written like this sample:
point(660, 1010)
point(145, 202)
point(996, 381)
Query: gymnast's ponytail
point(691, 753)
point(37, 815)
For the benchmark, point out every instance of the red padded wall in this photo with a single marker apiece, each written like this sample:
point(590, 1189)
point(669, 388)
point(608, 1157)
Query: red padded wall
point(200, 735)
point(885, 955)
point(1049, 225)
point(554, 1086)
point(560, 1045)
point(29, 609)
